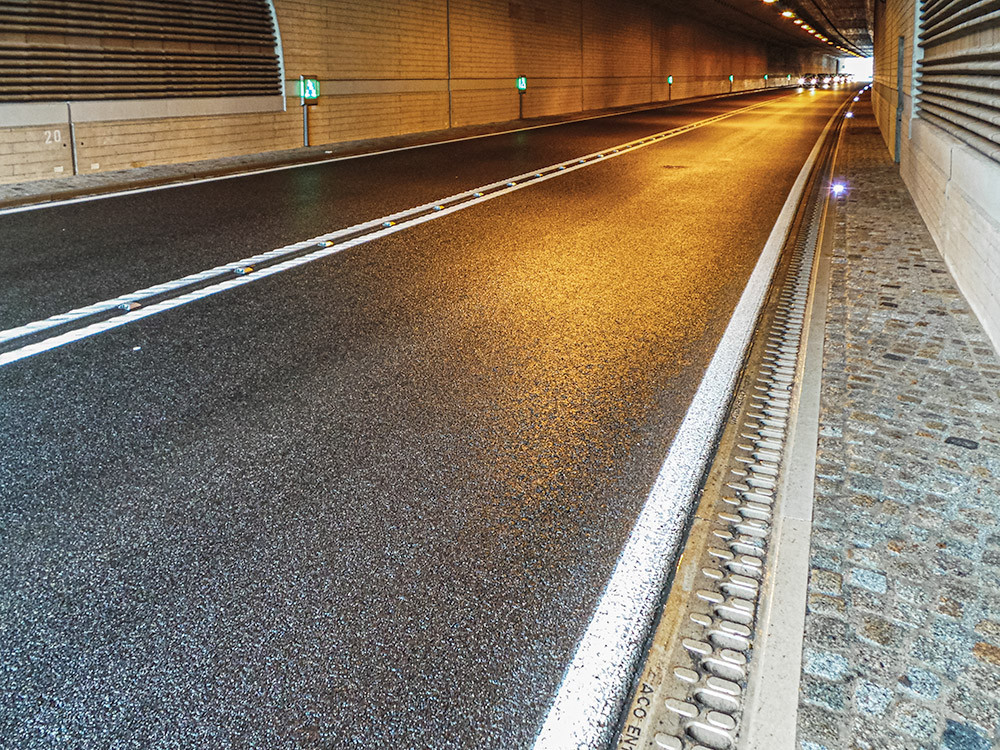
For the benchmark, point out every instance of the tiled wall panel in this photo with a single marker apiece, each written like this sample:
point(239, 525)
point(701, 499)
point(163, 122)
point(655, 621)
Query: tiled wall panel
point(391, 67)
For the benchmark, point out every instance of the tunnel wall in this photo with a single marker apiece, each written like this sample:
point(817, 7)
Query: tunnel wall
point(392, 67)
point(955, 185)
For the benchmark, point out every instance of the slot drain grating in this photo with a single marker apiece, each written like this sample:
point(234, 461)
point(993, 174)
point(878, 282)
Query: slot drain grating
point(691, 692)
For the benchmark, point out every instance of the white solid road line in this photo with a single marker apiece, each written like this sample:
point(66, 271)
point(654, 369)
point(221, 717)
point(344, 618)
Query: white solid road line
point(284, 167)
point(378, 228)
point(585, 710)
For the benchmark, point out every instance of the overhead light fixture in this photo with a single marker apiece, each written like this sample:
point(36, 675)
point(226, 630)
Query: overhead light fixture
point(787, 14)
point(797, 21)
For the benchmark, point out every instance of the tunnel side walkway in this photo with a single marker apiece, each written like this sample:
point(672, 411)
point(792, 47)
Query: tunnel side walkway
point(902, 636)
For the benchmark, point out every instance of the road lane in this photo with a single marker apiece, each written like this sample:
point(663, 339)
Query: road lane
point(373, 499)
point(73, 325)
point(68, 256)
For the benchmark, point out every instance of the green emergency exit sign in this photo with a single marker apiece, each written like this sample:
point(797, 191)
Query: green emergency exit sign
point(308, 89)
point(522, 83)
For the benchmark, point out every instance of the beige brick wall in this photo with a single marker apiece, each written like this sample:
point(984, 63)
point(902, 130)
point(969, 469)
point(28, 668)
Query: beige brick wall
point(136, 143)
point(956, 189)
point(390, 67)
point(376, 39)
point(617, 54)
point(36, 152)
point(707, 71)
point(892, 21)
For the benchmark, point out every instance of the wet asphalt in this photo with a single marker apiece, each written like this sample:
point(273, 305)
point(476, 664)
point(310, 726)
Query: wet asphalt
point(371, 501)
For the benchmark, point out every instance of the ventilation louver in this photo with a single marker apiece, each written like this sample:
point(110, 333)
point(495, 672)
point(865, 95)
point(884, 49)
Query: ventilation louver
point(959, 75)
point(140, 49)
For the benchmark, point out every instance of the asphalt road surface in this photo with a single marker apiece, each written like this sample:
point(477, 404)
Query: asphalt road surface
point(373, 500)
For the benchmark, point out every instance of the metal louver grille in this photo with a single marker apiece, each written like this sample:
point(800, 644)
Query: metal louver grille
point(959, 75)
point(60, 50)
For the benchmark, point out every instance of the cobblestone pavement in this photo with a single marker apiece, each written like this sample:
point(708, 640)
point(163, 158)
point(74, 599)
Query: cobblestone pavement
point(902, 642)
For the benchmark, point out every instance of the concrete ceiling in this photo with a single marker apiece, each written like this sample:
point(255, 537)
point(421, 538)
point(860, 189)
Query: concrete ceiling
point(843, 22)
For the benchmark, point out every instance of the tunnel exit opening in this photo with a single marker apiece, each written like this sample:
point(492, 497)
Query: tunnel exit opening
point(862, 68)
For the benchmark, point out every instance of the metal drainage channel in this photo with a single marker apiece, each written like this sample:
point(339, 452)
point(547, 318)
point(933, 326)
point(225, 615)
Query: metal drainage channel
point(690, 691)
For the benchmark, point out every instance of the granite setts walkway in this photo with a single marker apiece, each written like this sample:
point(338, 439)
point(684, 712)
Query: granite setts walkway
point(902, 641)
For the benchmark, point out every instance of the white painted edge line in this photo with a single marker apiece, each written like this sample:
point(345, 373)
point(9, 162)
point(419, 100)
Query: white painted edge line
point(586, 706)
point(478, 195)
point(348, 157)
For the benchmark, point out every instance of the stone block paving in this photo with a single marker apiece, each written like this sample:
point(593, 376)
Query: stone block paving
point(902, 640)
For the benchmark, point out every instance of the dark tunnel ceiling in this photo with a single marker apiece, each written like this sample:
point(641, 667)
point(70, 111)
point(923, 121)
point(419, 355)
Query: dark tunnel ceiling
point(843, 22)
